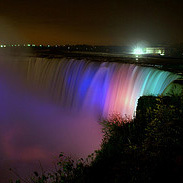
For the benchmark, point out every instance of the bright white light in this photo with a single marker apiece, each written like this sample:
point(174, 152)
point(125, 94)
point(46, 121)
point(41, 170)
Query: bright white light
point(138, 51)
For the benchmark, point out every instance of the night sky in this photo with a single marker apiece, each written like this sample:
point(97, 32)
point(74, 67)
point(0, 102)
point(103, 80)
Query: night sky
point(97, 22)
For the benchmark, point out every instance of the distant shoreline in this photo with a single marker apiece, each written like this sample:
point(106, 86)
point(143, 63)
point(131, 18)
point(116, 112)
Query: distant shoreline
point(157, 61)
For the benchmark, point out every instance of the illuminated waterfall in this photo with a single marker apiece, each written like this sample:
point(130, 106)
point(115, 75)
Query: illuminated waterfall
point(52, 105)
point(101, 87)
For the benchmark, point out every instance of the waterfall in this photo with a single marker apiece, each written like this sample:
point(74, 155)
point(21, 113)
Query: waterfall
point(50, 106)
point(101, 87)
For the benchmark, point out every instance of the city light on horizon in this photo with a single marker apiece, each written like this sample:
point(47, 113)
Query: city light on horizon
point(138, 51)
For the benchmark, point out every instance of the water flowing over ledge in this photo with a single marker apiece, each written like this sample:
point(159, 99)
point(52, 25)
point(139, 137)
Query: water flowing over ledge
point(101, 87)
point(53, 105)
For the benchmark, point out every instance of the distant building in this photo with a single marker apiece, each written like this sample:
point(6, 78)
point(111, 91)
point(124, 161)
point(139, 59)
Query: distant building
point(155, 50)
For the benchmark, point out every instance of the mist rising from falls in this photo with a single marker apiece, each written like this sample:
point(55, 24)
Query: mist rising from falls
point(101, 87)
